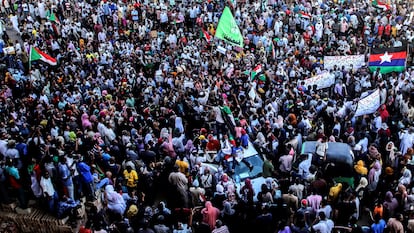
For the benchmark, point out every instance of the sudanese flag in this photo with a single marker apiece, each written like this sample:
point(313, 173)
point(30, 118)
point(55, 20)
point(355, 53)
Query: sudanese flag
point(388, 59)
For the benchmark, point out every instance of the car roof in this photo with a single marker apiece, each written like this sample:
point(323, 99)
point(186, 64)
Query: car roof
point(337, 151)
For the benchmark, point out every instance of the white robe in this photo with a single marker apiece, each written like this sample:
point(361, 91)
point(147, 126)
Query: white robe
point(42, 10)
point(15, 22)
point(407, 140)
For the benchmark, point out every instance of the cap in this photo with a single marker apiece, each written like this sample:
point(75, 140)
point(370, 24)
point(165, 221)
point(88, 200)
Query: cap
point(304, 202)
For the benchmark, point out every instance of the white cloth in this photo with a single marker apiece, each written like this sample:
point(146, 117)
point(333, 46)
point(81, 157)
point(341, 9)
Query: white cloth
point(115, 201)
point(47, 186)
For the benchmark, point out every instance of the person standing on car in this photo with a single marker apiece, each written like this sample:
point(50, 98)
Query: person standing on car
point(238, 156)
point(321, 148)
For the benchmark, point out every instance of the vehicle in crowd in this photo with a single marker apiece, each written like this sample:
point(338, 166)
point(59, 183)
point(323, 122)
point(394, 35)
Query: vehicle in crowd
point(339, 161)
point(242, 170)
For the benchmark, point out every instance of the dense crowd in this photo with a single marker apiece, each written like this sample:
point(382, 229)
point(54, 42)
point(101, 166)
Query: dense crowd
point(142, 93)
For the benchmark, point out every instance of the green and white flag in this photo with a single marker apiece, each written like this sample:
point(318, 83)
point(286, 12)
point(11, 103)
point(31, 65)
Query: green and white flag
point(228, 30)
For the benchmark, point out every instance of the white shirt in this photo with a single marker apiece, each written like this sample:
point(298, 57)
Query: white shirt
point(324, 226)
point(47, 186)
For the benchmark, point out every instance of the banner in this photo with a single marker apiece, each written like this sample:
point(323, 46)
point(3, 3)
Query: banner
point(323, 80)
point(356, 60)
point(221, 50)
point(228, 30)
point(368, 104)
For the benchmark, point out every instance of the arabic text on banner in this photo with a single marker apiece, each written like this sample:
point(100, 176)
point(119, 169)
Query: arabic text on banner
point(368, 104)
point(323, 80)
point(356, 60)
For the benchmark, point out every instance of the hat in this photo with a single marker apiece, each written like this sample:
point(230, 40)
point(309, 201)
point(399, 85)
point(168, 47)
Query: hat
point(304, 202)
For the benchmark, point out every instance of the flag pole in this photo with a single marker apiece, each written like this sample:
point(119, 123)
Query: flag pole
point(408, 52)
point(30, 58)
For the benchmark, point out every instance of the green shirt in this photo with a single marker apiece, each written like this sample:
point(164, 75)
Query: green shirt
point(268, 169)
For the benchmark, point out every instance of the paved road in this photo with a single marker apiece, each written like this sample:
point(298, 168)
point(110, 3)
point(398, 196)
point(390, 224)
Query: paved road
point(13, 35)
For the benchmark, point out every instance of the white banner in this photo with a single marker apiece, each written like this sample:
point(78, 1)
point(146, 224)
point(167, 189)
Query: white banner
point(356, 60)
point(323, 80)
point(221, 50)
point(368, 104)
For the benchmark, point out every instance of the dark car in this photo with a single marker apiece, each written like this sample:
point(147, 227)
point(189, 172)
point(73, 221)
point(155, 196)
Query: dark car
point(339, 158)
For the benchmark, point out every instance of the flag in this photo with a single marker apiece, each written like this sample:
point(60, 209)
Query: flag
point(305, 15)
point(381, 5)
point(37, 54)
point(256, 71)
point(246, 72)
point(228, 30)
point(204, 34)
point(369, 104)
point(262, 77)
point(52, 17)
point(388, 59)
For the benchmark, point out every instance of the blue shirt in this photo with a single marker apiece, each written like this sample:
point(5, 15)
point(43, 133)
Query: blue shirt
point(22, 148)
point(65, 175)
point(85, 172)
point(378, 227)
point(244, 140)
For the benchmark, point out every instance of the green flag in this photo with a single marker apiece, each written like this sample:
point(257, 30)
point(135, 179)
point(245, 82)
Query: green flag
point(228, 30)
point(52, 17)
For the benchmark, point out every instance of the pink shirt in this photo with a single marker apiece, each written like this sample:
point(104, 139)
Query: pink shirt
point(314, 201)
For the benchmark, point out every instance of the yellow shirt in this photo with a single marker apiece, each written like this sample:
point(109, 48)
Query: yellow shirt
point(394, 31)
point(131, 178)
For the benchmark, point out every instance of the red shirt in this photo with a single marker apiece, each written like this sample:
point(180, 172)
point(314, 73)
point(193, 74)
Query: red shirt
point(381, 30)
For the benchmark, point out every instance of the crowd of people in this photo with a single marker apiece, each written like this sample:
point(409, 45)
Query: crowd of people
point(142, 90)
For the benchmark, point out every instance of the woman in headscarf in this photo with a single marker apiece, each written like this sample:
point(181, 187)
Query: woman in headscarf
point(406, 177)
point(360, 168)
point(210, 214)
point(373, 176)
point(265, 196)
point(227, 209)
point(115, 201)
point(179, 124)
point(231, 194)
point(228, 214)
point(225, 181)
point(391, 155)
point(402, 196)
point(86, 123)
point(363, 182)
point(189, 147)
point(260, 140)
point(219, 196)
point(247, 192)
point(390, 205)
